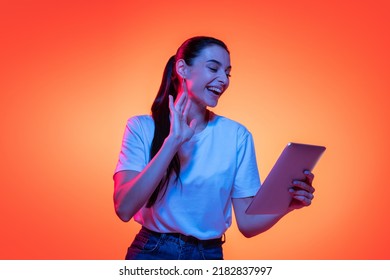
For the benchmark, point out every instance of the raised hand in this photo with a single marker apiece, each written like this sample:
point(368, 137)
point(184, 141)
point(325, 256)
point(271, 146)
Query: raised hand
point(180, 130)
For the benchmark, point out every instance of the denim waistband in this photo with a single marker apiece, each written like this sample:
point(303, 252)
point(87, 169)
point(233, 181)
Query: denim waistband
point(189, 239)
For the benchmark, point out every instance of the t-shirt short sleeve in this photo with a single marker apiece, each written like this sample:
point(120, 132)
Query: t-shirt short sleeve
point(247, 179)
point(135, 149)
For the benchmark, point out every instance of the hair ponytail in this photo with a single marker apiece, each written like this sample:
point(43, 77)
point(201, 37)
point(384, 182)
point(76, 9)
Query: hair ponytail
point(162, 124)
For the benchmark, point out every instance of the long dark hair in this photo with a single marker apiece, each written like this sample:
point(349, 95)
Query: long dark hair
point(188, 51)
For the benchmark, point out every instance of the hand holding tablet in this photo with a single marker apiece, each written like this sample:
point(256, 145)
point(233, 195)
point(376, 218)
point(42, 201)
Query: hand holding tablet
point(274, 195)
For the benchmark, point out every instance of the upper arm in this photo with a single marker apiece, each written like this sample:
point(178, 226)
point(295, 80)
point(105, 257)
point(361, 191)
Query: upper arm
point(120, 192)
point(135, 149)
point(240, 205)
point(121, 177)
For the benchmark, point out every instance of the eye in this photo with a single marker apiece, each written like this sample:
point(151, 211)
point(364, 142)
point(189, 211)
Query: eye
point(212, 69)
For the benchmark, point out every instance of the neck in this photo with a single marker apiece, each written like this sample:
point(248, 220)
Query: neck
point(201, 115)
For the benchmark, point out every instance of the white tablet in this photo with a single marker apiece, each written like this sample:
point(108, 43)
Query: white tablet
point(273, 196)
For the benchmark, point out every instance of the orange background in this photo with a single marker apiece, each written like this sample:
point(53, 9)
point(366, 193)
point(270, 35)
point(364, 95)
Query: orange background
point(72, 72)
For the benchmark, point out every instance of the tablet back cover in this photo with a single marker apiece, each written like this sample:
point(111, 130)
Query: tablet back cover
point(273, 196)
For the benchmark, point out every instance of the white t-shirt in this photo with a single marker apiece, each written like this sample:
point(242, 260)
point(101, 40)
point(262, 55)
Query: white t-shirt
point(217, 164)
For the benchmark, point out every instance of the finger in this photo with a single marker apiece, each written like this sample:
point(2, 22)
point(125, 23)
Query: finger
point(184, 86)
point(304, 200)
point(186, 108)
point(170, 100)
point(183, 95)
point(303, 185)
point(301, 193)
point(172, 111)
point(180, 102)
point(309, 177)
point(171, 105)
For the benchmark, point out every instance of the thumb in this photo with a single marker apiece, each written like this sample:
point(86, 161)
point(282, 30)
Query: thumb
point(193, 124)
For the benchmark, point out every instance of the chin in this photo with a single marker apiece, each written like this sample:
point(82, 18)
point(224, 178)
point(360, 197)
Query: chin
point(212, 104)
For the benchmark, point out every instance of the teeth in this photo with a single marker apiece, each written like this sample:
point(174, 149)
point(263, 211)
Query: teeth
point(215, 89)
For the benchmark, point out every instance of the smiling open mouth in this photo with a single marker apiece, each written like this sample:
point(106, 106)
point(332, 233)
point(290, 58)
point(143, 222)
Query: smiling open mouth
point(215, 90)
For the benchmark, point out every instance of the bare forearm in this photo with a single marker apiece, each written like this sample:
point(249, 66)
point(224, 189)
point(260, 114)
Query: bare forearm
point(251, 225)
point(132, 193)
point(256, 224)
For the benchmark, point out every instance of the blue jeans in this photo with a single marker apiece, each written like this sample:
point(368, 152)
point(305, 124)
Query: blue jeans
point(149, 245)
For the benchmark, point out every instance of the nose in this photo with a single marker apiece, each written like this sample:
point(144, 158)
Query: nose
point(223, 79)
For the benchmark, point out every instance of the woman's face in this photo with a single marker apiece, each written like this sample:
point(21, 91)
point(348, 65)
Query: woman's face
point(208, 77)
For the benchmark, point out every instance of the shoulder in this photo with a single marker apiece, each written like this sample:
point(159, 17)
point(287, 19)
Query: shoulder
point(229, 125)
point(140, 122)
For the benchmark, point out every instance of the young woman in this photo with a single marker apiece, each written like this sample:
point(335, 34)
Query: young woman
point(183, 169)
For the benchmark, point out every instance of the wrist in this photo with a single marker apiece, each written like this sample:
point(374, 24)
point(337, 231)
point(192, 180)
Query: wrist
point(172, 142)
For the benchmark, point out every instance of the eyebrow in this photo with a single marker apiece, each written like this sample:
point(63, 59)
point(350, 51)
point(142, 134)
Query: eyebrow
point(219, 63)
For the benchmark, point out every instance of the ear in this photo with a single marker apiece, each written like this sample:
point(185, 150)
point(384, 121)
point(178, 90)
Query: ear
point(181, 68)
